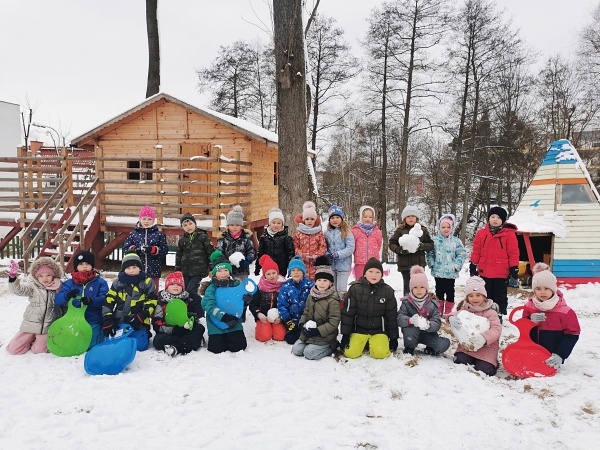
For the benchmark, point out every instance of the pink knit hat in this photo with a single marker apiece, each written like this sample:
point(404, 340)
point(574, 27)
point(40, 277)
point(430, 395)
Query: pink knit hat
point(418, 278)
point(44, 269)
point(475, 285)
point(447, 220)
point(542, 277)
point(309, 210)
point(147, 211)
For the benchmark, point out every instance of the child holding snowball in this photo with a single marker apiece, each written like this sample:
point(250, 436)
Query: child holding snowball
point(419, 317)
point(482, 349)
point(321, 318)
point(264, 302)
point(558, 327)
point(410, 242)
point(236, 244)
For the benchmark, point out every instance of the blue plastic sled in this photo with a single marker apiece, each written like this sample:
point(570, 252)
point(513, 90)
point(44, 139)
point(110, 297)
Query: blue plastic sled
point(113, 355)
point(231, 300)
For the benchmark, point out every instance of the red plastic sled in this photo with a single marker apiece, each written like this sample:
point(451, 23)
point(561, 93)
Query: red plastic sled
point(525, 358)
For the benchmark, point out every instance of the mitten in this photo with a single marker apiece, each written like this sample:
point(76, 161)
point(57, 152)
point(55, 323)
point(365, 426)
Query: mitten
point(290, 325)
point(554, 361)
point(248, 260)
point(262, 317)
point(514, 272)
point(189, 325)
point(86, 301)
point(472, 269)
point(230, 320)
point(414, 319)
point(154, 250)
point(109, 326)
point(538, 317)
point(73, 294)
point(424, 325)
point(311, 332)
point(345, 341)
point(247, 299)
point(14, 269)
point(393, 345)
point(454, 322)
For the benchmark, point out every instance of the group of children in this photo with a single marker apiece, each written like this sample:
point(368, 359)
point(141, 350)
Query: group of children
point(306, 309)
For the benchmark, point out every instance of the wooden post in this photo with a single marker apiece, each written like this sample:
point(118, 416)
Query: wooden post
point(99, 153)
point(21, 175)
point(159, 186)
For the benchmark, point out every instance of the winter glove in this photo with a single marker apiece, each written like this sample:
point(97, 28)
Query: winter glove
point(246, 261)
point(74, 293)
point(144, 248)
point(513, 277)
point(454, 322)
point(154, 250)
point(247, 299)
point(538, 317)
point(311, 332)
point(230, 320)
point(472, 269)
point(514, 272)
point(345, 341)
point(414, 320)
point(333, 256)
point(478, 341)
point(393, 345)
point(86, 301)
point(189, 325)
point(109, 326)
point(290, 325)
point(136, 320)
point(554, 361)
point(14, 269)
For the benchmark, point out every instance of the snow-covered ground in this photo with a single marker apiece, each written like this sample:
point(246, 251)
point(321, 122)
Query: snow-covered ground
point(267, 398)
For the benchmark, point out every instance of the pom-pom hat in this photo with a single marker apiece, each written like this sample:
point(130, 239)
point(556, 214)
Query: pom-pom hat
point(323, 269)
point(235, 216)
point(267, 263)
point(218, 261)
point(500, 212)
point(410, 211)
point(542, 277)
point(418, 278)
point(175, 278)
point(309, 210)
point(147, 211)
point(84, 257)
point(475, 285)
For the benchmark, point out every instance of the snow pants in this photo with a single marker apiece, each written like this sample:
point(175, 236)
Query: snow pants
point(192, 283)
point(480, 365)
point(379, 345)
point(266, 331)
point(311, 351)
point(497, 290)
point(414, 336)
point(22, 342)
point(191, 340)
point(233, 341)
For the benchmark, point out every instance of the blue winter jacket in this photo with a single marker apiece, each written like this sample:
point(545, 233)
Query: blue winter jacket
point(292, 298)
point(343, 247)
point(448, 254)
point(143, 239)
point(96, 290)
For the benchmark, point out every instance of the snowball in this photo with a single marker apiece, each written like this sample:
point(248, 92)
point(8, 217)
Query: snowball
point(272, 315)
point(416, 230)
point(469, 333)
point(409, 242)
point(422, 323)
point(236, 258)
point(310, 324)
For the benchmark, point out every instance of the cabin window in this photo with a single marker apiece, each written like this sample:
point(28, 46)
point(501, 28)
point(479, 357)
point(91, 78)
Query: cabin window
point(139, 175)
point(275, 174)
point(575, 193)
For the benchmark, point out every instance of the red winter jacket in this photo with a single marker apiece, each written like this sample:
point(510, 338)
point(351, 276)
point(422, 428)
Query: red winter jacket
point(495, 254)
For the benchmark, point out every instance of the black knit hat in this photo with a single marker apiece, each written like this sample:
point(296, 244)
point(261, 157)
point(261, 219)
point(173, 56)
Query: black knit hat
point(187, 216)
point(499, 211)
point(323, 269)
point(84, 257)
point(131, 259)
point(373, 263)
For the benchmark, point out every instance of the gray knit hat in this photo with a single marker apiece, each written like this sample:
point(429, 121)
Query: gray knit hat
point(235, 216)
point(410, 211)
point(323, 269)
point(131, 259)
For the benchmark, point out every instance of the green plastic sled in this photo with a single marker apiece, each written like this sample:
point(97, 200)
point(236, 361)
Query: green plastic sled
point(70, 335)
point(176, 313)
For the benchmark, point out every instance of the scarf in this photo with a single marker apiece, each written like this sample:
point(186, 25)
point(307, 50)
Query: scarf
point(546, 305)
point(166, 296)
point(270, 286)
point(495, 230)
point(131, 279)
point(271, 232)
point(367, 228)
point(484, 306)
point(303, 228)
point(81, 278)
point(236, 235)
point(222, 283)
point(315, 293)
point(419, 301)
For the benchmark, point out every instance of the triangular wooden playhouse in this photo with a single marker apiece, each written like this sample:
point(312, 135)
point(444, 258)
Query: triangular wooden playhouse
point(559, 217)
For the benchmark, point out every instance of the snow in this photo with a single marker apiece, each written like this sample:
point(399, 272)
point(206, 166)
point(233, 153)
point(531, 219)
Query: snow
point(531, 221)
point(212, 401)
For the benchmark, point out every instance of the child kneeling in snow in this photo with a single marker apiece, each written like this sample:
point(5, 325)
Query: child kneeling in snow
point(481, 350)
point(321, 317)
point(264, 302)
point(419, 317)
point(558, 327)
point(173, 339)
point(292, 298)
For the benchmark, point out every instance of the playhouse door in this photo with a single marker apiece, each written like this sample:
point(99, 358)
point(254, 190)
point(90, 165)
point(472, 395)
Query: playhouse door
point(197, 181)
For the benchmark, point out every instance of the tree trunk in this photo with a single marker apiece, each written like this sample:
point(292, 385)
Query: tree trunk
point(291, 106)
point(383, 179)
point(153, 86)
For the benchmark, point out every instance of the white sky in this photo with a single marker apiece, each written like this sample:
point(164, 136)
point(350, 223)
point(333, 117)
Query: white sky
point(81, 63)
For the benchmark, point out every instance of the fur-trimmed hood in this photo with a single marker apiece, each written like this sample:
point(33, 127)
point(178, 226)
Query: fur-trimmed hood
point(47, 261)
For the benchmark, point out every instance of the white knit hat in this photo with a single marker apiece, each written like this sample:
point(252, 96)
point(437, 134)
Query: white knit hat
point(542, 277)
point(276, 213)
point(410, 211)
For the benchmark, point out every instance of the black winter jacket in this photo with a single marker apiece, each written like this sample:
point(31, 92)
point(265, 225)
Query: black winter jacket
point(406, 259)
point(279, 246)
point(243, 244)
point(193, 253)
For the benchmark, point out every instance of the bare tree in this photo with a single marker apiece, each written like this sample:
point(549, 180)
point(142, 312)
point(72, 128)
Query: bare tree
point(153, 85)
point(589, 49)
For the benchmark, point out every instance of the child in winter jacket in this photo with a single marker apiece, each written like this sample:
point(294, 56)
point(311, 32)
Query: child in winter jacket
point(484, 355)
point(495, 256)
point(369, 315)
point(88, 287)
point(292, 298)
point(558, 327)
point(130, 300)
point(275, 242)
point(264, 302)
point(192, 258)
point(406, 259)
point(340, 247)
point(236, 244)
point(419, 317)
point(231, 339)
point(174, 339)
point(309, 241)
point(367, 240)
point(321, 318)
point(446, 260)
point(149, 243)
point(40, 286)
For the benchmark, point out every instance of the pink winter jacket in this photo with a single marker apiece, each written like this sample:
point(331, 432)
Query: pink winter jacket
point(366, 247)
point(489, 352)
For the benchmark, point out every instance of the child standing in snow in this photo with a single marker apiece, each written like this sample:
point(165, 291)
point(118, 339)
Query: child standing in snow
point(484, 354)
point(495, 256)
point(275, 242)
point(340, 247)
point(419, 317)
point(558, 327)
point(231, 339)
point(264, 302)
point(173, 339)
point(410, 256)
point(367, 240)
point(149, 243)
point(446, 260)
point(88, 287)
point(292, 298)
point(309, 241)
point(236, 244)
point(321, 318)
point(131, 300)
point(40, 286)
point(369, 315)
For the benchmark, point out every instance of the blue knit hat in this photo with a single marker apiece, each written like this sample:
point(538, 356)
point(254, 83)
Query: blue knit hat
point(296, 263)
point(335, 210)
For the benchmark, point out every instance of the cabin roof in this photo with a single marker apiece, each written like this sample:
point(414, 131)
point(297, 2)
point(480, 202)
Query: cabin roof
point(243, 126)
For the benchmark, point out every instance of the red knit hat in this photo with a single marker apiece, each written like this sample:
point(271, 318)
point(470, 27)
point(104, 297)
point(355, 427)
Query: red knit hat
point(267, 263)
point(175, 278)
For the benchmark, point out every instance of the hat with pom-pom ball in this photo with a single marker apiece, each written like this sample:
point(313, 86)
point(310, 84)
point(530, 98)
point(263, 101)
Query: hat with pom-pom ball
point(235, 216)
point(323, 269)
point(309, 210)
point(418, 278)
point(542, 277)
point(218, 261)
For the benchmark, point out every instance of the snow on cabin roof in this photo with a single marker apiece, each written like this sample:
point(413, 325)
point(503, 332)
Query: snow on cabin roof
point(550, 222)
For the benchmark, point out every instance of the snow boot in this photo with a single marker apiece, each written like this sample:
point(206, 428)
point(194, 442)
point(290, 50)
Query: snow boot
point(170, 350)
point(448, 307)
point(432, 352)
point(410, 351)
